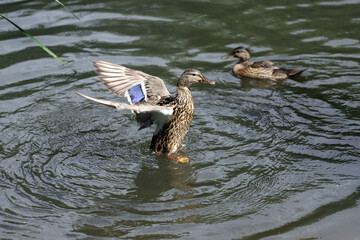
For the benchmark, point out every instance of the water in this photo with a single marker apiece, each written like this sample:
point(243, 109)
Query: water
point(268, 161)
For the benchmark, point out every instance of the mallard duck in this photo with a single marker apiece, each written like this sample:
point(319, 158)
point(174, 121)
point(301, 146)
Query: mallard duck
point(151, 103)
point(262, 69)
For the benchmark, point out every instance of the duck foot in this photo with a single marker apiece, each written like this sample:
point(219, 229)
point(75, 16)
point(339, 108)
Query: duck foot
point(179, 159)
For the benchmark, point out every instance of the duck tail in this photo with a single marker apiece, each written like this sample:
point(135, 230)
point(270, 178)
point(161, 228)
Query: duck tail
point(293, 72)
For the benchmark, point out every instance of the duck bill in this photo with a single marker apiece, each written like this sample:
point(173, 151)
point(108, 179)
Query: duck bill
point(228, 56)
point(207, 81)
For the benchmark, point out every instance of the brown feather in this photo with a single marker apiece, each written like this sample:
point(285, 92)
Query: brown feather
point(173, 133)
point(119, 79)
point(172, 115)
point(261, 69)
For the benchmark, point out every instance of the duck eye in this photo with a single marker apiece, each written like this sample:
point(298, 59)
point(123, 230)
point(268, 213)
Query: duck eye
point(193, 74)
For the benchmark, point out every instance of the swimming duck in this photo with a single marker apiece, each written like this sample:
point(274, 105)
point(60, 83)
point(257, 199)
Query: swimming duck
point(262, 69)
point(151, 103)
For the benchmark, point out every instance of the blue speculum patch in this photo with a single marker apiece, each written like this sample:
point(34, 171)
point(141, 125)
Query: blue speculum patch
point(136, 94)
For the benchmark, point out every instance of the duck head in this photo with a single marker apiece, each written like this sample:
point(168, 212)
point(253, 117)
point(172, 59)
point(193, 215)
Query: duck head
point(240, 52)
point(191, 76)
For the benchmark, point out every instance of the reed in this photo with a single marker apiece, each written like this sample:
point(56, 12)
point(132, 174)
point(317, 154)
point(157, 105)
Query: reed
point(34, 39)
point(67, 9)
point(37, 41)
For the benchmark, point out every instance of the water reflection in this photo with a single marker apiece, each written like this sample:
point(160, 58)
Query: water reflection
point(152, 182)
point(116, 215)
point(266, 157)
point(246, 84)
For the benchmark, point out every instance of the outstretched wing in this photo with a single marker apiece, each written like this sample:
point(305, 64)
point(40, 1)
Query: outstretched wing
point(137, 86)
point(146, 114)
point(137, 108)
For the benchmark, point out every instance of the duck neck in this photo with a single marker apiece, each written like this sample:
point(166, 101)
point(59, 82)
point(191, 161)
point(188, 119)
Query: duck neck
point(242, 61)
point(239, 65)
point(183, 95)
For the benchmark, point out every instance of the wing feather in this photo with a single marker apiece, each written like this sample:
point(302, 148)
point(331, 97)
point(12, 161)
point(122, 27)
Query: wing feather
point(150, 102)
point(263, 64)
point(137, 108)
point(145, 114)
point(120, 79)
point(119, 89)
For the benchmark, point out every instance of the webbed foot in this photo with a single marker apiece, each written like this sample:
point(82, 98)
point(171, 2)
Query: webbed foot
point(179, 159)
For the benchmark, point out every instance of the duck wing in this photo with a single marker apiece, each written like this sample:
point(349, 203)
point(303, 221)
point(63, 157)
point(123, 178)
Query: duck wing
point(145, 107)
point(136, 85)
point(263, 64)
point(158, 116)
point(262, 69)
point(150, 101)
point(267, 70)
point(145, 113)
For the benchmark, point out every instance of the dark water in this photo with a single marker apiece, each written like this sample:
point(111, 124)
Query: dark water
point(268, 161)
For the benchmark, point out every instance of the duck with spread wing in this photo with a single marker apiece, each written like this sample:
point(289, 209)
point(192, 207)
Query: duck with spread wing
point(151, 103)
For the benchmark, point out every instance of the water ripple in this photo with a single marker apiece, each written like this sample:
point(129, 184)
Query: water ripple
point(267, 158)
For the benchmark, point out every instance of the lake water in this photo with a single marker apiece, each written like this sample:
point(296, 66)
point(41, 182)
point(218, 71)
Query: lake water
point(267, 160)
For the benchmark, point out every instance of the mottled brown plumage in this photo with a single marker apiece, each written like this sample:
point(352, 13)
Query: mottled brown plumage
point(173, 133)
point(262, 69)
point(151, 103)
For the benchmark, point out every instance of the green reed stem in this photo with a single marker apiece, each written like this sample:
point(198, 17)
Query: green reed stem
point(34, 40)
point(68, 9)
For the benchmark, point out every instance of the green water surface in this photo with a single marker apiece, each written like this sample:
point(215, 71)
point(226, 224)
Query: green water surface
point(267, 160)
